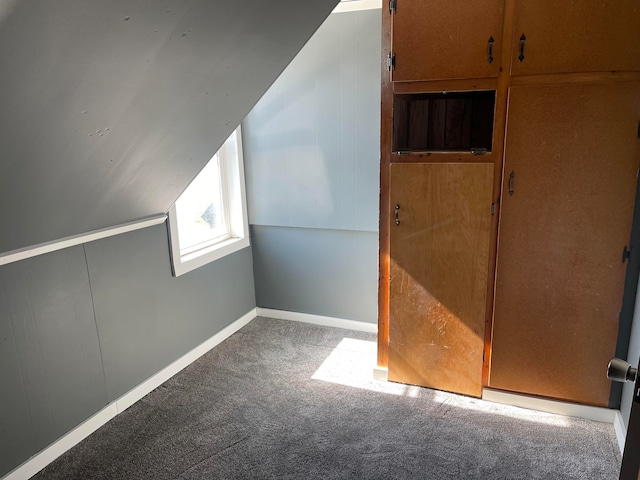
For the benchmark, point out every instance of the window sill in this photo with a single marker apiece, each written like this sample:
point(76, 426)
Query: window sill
point(191, 261)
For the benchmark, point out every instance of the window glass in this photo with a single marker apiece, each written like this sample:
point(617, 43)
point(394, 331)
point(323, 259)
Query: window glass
point(209, 220)
point(201, 210)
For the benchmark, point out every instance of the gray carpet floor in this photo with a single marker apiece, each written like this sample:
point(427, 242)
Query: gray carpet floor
point(289, 400)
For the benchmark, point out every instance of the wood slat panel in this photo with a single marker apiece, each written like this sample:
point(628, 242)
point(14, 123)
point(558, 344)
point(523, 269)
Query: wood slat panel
point(437, 123)
point(438, 274)
point(574, 152)
point(481, 130)
point(455, 124)
point(400, 123)
point(418, 125)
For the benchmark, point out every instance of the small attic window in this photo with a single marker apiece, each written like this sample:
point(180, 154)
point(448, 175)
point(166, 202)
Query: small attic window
point(209, 219)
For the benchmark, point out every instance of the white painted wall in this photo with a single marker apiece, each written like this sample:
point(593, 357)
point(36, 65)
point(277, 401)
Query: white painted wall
point(312, 142)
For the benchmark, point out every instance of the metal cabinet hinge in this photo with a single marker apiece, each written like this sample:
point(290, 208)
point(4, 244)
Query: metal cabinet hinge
point(391, 62)
point(393, 4)
point(626, 254)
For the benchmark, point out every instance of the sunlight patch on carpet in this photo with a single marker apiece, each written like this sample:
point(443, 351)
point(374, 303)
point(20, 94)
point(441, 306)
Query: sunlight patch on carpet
point(351, 364)
point(467, 403)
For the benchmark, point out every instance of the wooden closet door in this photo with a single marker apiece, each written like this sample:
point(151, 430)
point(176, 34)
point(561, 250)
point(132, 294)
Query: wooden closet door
point(571, 160)
point(576, 36)
point(438, 278)
point(432, 39)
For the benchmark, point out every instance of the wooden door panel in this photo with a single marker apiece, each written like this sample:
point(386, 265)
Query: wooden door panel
point(576, 36)
point(574, 153)
point(438, 279)
point(440, 40)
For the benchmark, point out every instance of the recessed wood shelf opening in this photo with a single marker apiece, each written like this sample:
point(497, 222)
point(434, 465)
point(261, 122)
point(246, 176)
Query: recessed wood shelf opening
point(446, 121)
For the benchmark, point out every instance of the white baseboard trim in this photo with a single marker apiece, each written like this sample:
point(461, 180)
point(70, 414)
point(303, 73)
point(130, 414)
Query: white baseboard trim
point(318, 320)
point(621, 430)
point(82, 431)
point(136, 393)
point(381, 374)
point(36, 463)
point(597, 414)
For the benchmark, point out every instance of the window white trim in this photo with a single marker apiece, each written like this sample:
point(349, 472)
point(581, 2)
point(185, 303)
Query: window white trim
point(235, 208)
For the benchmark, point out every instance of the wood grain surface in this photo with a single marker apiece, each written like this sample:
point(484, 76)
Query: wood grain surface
point(576, 36)
point(438, 40)
point(386, 138)
point(574, 152)
point(439, 257)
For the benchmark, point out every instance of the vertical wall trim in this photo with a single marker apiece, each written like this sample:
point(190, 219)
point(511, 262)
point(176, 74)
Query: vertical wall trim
point(95, 319)
point(82, 431)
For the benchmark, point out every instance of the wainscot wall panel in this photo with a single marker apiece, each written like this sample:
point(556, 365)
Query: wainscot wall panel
point(328, 272)
point(51, 347)
point(51, 366)
point(148, 318)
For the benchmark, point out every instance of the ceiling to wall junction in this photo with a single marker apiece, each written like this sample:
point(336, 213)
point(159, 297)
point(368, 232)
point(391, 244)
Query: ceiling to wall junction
point(109, 109)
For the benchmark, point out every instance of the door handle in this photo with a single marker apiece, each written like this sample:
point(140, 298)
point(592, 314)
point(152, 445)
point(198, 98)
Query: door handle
point(522, 40)
point(490, 50)
point(512, 182)
point(620, 371)
point(397, 215)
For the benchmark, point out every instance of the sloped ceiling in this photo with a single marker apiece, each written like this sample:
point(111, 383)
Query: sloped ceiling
point(109, 108)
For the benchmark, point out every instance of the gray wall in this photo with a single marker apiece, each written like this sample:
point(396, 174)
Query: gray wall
point(311, 148)
point(324, 272)
point(632, 358)
point(80, 327)
point(110, 108)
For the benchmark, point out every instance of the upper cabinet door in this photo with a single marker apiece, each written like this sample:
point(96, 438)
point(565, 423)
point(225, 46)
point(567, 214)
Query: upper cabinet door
point(434, 40)
point(575, 36)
